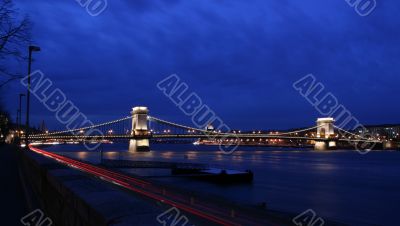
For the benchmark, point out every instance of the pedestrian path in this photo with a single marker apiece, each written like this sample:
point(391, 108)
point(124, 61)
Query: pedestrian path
point(11, 193)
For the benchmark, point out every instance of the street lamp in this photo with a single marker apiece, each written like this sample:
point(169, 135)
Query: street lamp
point(19, 116)
point(31, 49)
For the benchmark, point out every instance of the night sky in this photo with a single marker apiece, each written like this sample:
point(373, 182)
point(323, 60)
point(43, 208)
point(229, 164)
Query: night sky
point(241, 57)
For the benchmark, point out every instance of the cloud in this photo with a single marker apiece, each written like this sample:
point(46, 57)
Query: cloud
point(232, 52)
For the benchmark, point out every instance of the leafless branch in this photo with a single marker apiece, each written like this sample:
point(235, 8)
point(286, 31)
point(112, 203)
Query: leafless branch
point(10, 80)
point(14, 36)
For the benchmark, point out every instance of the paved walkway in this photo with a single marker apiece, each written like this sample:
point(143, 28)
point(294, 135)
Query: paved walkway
point(11, 194)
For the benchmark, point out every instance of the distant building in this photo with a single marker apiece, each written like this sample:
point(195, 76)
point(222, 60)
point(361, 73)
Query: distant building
point(42, 127)
point(4, 127)
point(210, 127)
point(389, 131)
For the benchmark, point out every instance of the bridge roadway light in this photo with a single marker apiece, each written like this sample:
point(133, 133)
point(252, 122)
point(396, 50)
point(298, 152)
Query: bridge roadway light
point(31, 49)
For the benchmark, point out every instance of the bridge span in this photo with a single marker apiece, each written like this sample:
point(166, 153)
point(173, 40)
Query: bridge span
point(139, 128)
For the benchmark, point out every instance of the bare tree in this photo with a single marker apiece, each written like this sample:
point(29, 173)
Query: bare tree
point(14, 38)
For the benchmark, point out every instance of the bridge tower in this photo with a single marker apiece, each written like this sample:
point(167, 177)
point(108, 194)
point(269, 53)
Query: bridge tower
point(325, 130)
point(140, 131)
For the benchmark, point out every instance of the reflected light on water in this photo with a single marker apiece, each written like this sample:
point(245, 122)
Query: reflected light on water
point(83, 154)
point(168, 154)
point(191, 155)
point(141, 155)
point(325, 166)
point(255, 157)
point(237, 158)
point(219, 157)
point(111, 154)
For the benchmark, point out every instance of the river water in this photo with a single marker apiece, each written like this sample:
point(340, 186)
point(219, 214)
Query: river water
point(339, 185)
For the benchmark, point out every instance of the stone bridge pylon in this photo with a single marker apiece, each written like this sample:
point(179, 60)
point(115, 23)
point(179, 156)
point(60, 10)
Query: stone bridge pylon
point(325, 130)
point(140, 130)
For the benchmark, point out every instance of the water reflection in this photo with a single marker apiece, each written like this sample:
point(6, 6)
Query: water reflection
point(291, 180)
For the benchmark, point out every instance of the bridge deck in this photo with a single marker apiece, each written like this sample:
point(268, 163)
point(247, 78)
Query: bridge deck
point(196, 136)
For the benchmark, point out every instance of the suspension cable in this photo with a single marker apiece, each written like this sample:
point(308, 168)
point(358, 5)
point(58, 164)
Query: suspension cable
point(205, 131)
point(356, 135)
point(176, 125)
point(299, 131)
point(83, 128)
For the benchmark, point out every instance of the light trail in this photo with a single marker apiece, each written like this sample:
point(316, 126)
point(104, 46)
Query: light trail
point(137, 185)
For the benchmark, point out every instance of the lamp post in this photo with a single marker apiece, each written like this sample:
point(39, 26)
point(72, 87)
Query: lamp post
point(19, 116)
point(17, 122)
point(31, 49)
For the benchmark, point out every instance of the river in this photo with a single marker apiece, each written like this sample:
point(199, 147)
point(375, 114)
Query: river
point(339, 185)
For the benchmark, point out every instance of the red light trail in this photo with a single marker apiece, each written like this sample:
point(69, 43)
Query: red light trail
point(132, 184)
point(152, 191)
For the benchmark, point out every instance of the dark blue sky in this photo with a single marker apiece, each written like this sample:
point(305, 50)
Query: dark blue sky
point(241, 57)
